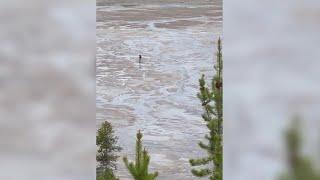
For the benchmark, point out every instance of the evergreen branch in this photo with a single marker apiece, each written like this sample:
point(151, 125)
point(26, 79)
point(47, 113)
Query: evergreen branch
point(201, 173)
point(198, 162)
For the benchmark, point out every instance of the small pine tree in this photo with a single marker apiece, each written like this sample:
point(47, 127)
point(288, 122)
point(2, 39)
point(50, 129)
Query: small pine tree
point(212, 103)
point(139, 169)
point(106, 175)
point(107, 149)
point(300, 167)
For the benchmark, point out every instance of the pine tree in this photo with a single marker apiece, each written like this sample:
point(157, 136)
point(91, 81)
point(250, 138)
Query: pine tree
point(107, 149)
point(212, 102)
point(139, 169)
point(300, 167)
point(106, 175)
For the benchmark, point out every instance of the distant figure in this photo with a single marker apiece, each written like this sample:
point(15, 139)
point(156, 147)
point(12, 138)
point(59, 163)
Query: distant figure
point(140, 57)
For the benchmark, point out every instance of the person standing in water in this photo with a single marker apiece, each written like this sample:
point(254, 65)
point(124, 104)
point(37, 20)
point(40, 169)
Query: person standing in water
point(140, 57)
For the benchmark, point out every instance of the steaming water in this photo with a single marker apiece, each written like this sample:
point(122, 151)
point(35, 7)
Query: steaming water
point(158, 96)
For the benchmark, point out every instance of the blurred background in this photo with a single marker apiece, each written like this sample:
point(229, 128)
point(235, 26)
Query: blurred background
point(47, 89)
point(271, 74)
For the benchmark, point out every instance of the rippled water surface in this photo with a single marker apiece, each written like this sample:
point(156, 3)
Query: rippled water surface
point(158, 96)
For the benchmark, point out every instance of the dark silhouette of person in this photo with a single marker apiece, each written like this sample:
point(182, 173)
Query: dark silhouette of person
point(140, 57)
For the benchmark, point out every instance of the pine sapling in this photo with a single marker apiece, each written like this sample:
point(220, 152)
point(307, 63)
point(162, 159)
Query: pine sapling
point(212, 103)
point(300, 167)
point(139, 168)
point(107, 149)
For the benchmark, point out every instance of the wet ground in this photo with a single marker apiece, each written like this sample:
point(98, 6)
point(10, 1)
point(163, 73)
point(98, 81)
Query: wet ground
point(158, 96)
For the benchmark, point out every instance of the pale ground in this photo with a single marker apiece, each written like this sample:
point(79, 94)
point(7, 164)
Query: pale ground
point(176, 41)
